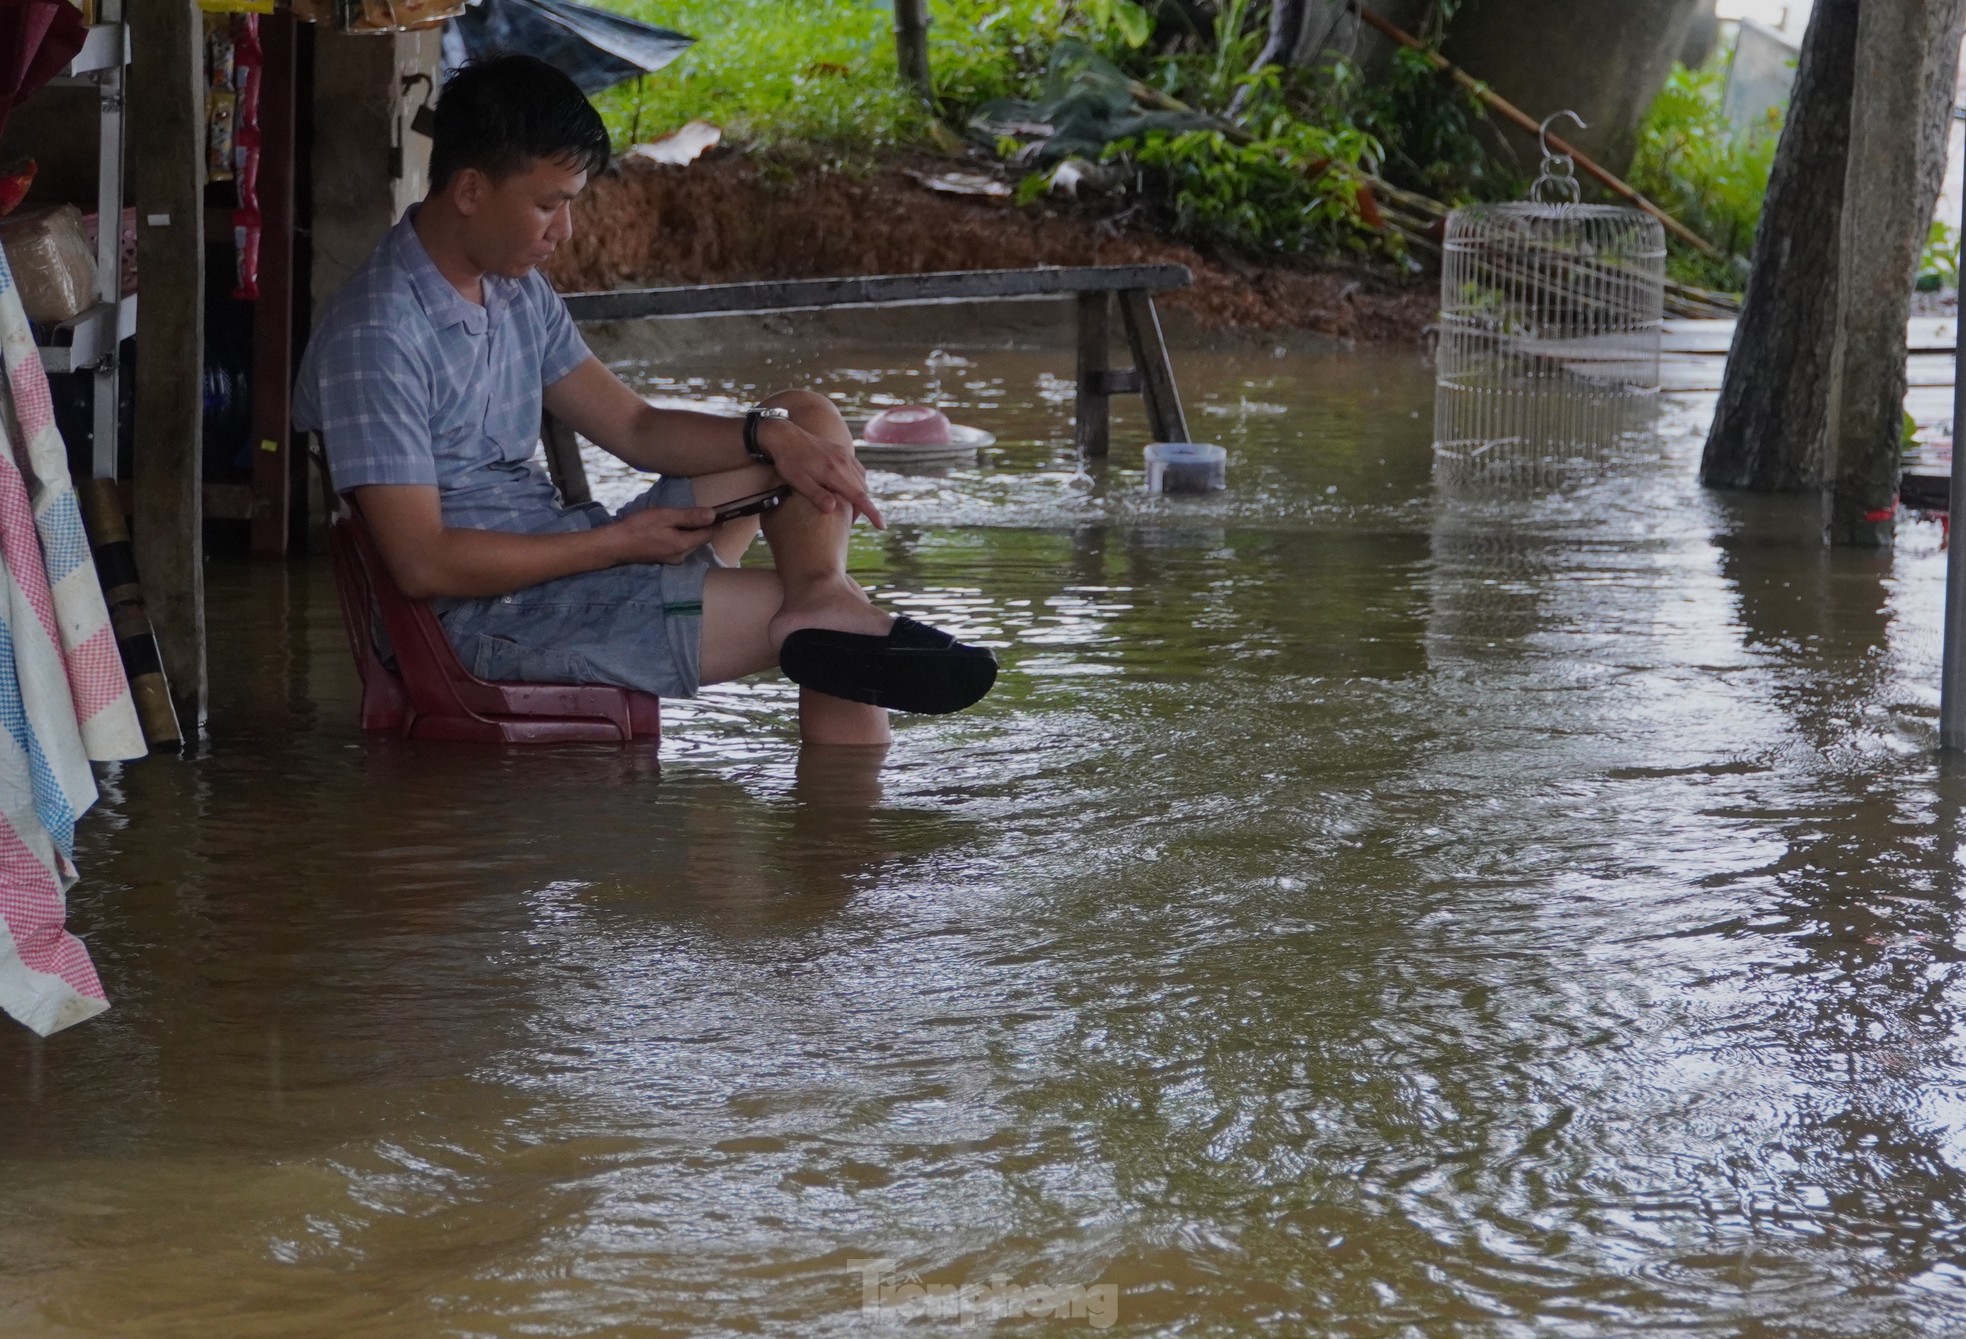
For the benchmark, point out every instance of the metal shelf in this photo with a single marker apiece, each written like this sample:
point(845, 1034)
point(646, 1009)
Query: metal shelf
point(90, 339)
point(88, 335)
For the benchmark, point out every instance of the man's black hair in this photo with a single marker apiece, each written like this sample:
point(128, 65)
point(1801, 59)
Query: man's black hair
point(499, 114)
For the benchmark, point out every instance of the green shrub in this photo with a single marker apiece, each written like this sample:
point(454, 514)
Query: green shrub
point(822, 73)
point(1938, 266)
point(1693, 164)
point(1429, 126)
point(1292, 188)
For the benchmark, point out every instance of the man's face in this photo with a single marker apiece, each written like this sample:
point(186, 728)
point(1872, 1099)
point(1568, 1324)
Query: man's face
point(514, 224)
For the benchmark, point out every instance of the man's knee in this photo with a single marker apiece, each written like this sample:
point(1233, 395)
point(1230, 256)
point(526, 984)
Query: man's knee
point(812, 411)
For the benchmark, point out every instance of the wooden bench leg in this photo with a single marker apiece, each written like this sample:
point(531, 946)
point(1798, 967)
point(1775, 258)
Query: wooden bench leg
point(1089, 427)
point(563, 461)
point(1164, 417)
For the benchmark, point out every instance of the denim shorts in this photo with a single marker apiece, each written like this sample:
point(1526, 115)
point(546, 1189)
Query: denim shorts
point(636, 626)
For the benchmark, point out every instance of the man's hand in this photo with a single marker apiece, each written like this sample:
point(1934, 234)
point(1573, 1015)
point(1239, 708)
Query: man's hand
point(824, 473)
point(660, 534)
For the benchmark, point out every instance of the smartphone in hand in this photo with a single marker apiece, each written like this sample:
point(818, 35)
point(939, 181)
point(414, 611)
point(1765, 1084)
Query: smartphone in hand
point(755, 505)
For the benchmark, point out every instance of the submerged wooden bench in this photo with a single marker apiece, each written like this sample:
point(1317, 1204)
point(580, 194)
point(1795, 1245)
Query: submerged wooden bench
point(1093, 288)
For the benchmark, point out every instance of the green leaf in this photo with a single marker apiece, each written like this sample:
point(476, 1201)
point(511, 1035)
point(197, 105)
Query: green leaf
point(1135, 25)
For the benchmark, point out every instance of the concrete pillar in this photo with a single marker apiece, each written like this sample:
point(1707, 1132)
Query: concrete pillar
point(1905, 71)
point(368, 165)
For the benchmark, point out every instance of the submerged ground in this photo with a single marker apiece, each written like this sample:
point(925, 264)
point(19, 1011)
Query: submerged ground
point(1360, 911)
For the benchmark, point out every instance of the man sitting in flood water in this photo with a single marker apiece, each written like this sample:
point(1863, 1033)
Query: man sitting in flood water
point(425, 378)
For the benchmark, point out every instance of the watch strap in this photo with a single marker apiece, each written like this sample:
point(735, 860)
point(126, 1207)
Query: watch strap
point(751, 420)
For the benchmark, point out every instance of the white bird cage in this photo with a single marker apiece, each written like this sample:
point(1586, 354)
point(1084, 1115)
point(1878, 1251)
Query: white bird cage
point(1551, 315)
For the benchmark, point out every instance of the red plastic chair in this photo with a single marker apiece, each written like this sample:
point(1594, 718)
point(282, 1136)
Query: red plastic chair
point(429, 695)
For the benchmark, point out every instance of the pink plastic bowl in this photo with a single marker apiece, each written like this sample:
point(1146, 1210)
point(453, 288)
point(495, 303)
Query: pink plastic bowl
point(909, 425)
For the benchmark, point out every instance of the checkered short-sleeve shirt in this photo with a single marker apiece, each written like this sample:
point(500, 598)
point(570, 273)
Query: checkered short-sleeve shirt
point(407, 382)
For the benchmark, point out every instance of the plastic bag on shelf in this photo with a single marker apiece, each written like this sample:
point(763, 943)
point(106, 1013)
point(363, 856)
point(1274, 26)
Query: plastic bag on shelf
point(50, 257)
point(126, 250)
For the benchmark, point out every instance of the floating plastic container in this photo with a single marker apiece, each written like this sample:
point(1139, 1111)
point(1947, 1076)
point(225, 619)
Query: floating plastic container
point(916, 435)
point(1186, 467)
point(909, 425)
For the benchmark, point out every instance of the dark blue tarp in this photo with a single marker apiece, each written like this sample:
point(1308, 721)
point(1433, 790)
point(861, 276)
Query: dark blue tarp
point(595, 48)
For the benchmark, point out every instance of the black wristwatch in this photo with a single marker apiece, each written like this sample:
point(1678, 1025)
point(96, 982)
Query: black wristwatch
point(751, 419)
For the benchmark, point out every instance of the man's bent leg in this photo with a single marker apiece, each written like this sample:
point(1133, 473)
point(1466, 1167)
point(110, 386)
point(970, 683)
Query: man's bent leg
point(739, 606)
point(808, 549)
point(808, 546)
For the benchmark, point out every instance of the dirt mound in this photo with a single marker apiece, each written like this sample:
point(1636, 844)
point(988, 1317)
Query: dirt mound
point(729, 218)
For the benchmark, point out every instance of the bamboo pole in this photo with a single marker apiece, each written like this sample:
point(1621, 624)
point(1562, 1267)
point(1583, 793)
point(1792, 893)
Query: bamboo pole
point(1514, 114)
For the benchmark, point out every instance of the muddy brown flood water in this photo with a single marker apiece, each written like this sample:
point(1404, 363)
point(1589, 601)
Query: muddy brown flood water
point(1358, 912)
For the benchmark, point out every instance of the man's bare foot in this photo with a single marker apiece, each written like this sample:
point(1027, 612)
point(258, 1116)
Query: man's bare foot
point(840, 605)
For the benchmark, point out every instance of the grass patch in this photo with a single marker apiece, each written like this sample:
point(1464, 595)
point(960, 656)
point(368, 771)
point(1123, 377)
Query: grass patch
point(818, 78)
point(775, 73)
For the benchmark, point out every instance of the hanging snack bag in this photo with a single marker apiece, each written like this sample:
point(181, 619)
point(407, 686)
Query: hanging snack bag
point(245, 236)
point(245, 164)
point(218, 50)
point(220, 142)
point(248, 62)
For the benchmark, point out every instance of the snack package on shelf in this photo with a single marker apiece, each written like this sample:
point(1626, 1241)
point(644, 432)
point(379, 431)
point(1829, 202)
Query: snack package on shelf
point(248, 61)
point(219, 51)
point(52, 263)
point(246, 227)
point(220, 141)
point(389, 16)
point(245, 162)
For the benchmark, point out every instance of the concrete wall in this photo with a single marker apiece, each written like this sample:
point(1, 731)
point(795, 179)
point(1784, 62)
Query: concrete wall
point(368, 166)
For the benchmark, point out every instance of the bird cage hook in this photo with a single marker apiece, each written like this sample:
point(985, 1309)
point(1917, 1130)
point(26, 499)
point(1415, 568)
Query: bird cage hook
point(1559, 169)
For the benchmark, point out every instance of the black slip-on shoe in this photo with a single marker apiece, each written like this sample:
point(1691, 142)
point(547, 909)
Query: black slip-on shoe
point(912, 668)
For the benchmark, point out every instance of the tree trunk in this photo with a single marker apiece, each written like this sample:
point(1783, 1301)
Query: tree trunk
point(1770, 429)
point(1906, 70)
point(911, 45)
point(1603, 59)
